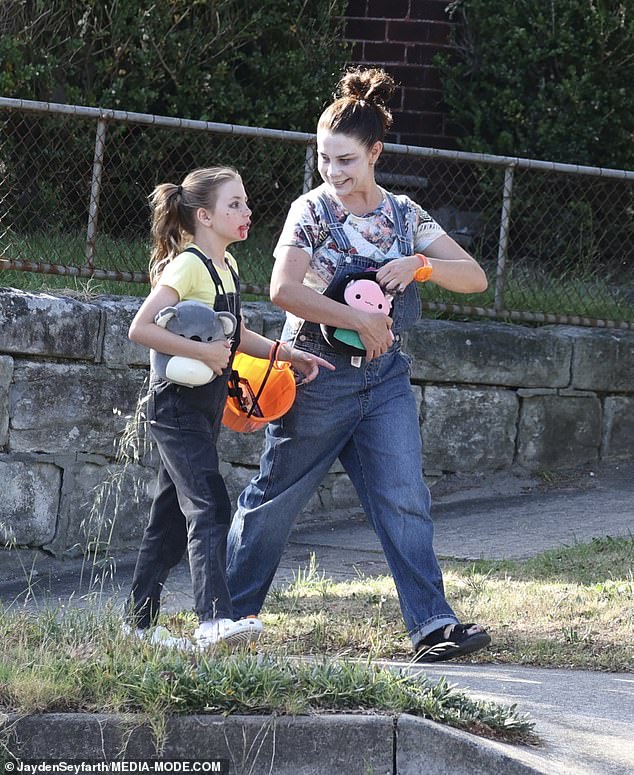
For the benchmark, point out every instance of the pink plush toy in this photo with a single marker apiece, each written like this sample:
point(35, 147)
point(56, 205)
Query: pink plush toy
point(365, 295)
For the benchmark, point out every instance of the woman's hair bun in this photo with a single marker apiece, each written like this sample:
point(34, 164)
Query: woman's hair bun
point(371, 85)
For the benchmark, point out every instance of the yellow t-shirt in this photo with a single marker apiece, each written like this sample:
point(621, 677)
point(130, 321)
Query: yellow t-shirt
point(191, 280)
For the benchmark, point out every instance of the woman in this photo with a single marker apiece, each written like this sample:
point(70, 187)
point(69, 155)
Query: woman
point(364, 412)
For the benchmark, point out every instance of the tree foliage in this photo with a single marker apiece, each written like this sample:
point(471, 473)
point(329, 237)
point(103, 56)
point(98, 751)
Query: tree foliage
point(267, 63)
point(544, 79)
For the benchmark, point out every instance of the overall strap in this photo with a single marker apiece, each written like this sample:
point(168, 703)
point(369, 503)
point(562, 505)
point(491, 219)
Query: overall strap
point(223, 299)
point(334, 227)
point(215, 277)
point(405, 245)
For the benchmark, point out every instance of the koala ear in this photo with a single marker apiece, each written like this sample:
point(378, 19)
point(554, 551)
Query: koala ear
point(163, 316)
point(228, 322)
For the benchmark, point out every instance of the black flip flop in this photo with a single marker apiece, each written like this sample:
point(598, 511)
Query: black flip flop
point(436, 647)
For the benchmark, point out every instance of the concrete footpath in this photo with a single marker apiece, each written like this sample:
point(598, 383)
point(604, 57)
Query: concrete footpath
point(585, 719)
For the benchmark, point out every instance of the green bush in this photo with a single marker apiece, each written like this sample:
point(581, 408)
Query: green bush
point(544, 80)
point(272, 63)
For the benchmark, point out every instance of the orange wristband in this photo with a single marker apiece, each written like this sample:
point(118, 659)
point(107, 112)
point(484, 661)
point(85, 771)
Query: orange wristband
point(423, 273)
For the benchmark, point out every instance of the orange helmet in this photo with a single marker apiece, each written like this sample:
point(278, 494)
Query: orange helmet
point(260, 390)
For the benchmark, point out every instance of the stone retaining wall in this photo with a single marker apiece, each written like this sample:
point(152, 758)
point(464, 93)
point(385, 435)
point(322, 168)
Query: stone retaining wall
point(491, 396)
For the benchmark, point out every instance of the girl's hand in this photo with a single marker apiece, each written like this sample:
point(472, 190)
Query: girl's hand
point(396, 275)
point(216, 355)
point(308, 364)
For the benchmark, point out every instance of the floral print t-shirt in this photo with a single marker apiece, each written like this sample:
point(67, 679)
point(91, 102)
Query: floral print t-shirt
point(371, 235)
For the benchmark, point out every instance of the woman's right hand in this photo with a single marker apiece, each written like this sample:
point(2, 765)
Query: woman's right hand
point(375, 330)
point(216, 355)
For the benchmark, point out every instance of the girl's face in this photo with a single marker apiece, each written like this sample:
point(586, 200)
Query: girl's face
point(344, 163)
point(231, 217)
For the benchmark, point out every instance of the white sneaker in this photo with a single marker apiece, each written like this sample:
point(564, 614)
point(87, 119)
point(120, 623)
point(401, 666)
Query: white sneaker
point(239, 633)
point(159, 636)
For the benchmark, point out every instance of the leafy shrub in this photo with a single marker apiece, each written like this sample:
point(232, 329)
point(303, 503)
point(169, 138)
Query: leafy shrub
point(270, 63)
point(273, 63)
point(544, 80)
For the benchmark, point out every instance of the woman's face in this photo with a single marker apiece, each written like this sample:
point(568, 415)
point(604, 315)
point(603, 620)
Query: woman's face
point(231, 217)
point(344, 163)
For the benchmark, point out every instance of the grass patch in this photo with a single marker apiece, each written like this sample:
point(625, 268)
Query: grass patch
point(527, 289)
point(569, 608)
point(78, 661)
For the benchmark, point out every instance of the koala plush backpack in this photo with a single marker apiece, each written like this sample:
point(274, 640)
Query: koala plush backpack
point(193, 320)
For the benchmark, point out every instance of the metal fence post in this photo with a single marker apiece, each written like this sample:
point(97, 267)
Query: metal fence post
point(309, 168)
point(95, 190)
point(505, 218)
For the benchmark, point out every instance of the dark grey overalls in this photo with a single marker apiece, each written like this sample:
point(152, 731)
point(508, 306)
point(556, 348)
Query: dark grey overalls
point(191, 508)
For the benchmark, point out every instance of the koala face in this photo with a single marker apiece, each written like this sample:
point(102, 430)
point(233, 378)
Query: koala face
point(366, 295)
point(195, 320)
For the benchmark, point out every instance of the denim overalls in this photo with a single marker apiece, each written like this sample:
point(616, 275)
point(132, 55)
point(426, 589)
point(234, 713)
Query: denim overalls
point(191, 508)
point(366, 416)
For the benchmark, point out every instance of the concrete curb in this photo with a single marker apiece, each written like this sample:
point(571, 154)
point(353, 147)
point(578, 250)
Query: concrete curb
point(328, 744)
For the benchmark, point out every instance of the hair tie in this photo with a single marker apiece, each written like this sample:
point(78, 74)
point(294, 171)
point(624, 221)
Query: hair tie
point(179, 190)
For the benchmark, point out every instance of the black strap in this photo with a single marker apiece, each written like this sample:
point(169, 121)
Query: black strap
point(214, 273)
point(272, 358)
point(236, 392)
point(221, 292)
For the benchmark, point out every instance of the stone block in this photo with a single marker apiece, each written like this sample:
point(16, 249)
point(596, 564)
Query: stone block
point(236, 478)
point(559, 432)
point(252, 316)
point(602, 361)
point(335, 492)
point(107, 506)
point(273, 321)
point(424, 746)
point(618, 428)
point(66, 407)
point(284, 745)
point(43, 324)
point(468, 429)
point(488, 354)
point(30, 501)
point(118, 351)
point(6, 374)
point(240, 448)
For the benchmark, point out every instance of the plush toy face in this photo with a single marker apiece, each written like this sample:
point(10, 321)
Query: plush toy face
point(366, 295)
point(192, 320)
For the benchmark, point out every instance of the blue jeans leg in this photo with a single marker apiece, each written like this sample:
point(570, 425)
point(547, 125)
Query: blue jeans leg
point(367, 417)
point(299, 450)
point(384, 461)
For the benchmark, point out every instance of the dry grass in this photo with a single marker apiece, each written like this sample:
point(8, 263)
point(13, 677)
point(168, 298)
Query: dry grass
point(568, 608)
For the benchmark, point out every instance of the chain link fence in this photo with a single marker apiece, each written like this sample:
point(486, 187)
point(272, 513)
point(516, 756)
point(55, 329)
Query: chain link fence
point(556, 241)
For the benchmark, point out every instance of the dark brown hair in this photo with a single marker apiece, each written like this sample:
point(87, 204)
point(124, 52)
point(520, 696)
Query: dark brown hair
point(359, 108)
point(174, 212)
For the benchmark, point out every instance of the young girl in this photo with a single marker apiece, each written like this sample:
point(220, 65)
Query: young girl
point(192, 225)
point(364, 413)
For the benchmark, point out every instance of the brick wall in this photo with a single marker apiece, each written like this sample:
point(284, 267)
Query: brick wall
point(403, 36)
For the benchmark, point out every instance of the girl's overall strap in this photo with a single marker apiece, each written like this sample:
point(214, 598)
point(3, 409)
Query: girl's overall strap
point(333, 225)
point(215, 277)
point(405, 244)
point(229, 302)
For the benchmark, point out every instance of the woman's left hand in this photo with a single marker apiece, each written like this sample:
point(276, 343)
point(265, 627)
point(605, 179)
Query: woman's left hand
point(308, 364)
point(396, 275)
